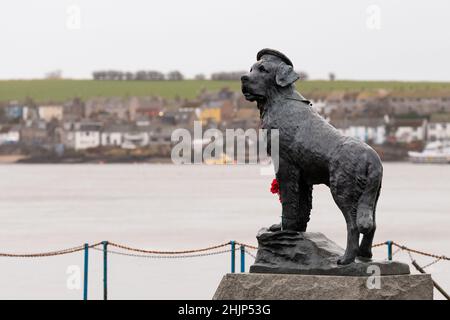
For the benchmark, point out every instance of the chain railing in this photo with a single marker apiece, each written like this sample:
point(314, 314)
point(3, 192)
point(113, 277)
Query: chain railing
point(49, 253)
point(235, 246)
point(167, 252)
point(165, 256)
point(423, 253)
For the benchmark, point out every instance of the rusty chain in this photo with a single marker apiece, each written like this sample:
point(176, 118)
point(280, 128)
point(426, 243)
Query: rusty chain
point(431, 263)
point(420, 252)
point(167, 252)
point(187, 252)
point(250, 254)
point(379, 244)
point(48, 254)
point(246, 245)
point(166, 256)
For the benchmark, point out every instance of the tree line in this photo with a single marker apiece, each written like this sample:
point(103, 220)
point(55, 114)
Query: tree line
point(236, 75)
point(151, 75)
point(141, 75)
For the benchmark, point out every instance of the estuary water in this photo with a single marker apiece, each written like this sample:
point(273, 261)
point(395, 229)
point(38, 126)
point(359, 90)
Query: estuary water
point(168, 207)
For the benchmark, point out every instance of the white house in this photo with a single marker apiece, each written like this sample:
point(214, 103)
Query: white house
point(136, 138)
point(438, 131)
point(439, 127)
point(86, 139)
point(48, 113)
point(367, 130)
point(409, 130)
point(112, 138)
point(9, 135)
point(125, 136)
point(30, 113)
point(113, 135)
point(84, 136)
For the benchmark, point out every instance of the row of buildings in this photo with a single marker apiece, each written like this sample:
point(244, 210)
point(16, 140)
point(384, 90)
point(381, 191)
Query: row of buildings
point(378, 131)
point(134, 122)
point(416, 103)
point(122, 122)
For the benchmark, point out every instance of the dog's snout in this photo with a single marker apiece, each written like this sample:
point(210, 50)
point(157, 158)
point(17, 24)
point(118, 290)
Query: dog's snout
point(245, 78)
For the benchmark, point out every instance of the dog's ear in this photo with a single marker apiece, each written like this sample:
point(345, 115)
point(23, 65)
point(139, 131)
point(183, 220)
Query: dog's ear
point(285, 75)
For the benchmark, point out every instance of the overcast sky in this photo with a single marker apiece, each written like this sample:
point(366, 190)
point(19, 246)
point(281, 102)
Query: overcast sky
point(355, 39)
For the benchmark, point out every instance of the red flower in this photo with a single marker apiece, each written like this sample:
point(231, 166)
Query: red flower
point(275, 187)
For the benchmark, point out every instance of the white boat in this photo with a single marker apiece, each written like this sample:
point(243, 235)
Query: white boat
point(434, 152)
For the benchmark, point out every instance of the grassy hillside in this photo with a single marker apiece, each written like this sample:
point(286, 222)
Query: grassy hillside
point(61, 90)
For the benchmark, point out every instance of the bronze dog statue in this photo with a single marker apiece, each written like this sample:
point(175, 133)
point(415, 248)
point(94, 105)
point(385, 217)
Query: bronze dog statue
point(311, 151)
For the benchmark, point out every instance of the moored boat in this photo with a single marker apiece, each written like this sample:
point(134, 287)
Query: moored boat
point(434, 152)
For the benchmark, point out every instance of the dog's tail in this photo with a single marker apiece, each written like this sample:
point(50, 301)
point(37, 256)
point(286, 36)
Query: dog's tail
point(370, 184)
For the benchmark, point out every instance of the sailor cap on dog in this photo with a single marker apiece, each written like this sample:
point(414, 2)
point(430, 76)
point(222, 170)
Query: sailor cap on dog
point(275, 53)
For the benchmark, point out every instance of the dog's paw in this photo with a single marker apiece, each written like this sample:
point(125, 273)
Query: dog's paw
point(364, 254)
point(344, 260)
point(275, 227)
point(363, 259)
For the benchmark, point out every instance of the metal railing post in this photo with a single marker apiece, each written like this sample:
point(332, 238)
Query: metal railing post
point(242, 258)
point(86, 267)
point(105, 270)
point(233, 256)
point(389, 245)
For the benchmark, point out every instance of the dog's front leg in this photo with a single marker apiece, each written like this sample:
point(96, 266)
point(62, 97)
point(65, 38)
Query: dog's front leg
point(288, 177)
point(305, 205)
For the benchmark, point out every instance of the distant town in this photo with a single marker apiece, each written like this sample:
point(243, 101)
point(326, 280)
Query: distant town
point(139, 128)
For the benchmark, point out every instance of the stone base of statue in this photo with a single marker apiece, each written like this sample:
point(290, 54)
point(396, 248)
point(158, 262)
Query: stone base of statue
point(259, 286)
point(303, 265)
point(312, 253)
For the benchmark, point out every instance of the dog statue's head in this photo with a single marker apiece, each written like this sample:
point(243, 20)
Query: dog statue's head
point(272, 72)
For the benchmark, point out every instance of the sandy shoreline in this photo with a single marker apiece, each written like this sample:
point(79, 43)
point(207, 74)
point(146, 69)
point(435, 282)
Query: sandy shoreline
point(11, 158)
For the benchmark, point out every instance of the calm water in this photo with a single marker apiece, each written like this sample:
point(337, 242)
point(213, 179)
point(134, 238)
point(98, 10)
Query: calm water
point(47, 207)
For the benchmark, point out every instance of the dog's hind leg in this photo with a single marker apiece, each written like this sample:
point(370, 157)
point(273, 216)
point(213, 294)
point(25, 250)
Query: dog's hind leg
point(343, 192)
point(365, 248)
point(369, 182)
point(352, 247)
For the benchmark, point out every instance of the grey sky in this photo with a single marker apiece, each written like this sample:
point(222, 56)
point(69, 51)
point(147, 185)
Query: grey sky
point(203, 36)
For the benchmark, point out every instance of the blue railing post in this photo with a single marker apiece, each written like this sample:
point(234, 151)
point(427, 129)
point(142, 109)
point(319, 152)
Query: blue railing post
point(242, 258)
point(389, 245)
point(86, 265)
point(233, 256)
point(105, 270)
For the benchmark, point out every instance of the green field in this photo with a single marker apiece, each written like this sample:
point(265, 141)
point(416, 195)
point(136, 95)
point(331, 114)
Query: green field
point(44, 91)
